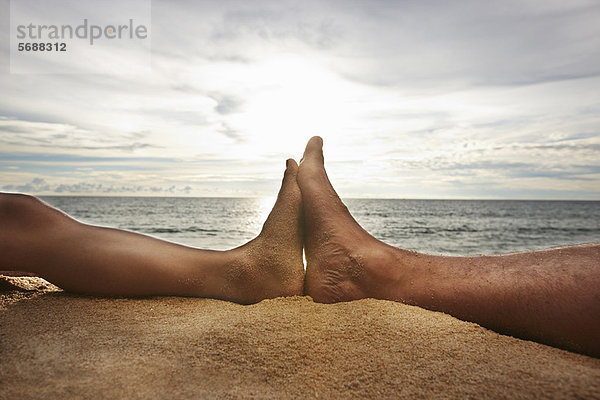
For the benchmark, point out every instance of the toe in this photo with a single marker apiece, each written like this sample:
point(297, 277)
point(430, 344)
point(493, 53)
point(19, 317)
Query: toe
point(314, 150)
point(291, 171)
point(285, 215)
point(289, 185)
point(311, 177)
point(323, 210)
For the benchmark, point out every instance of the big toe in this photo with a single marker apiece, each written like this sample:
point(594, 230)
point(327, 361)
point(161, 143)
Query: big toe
point(289, 176)
point(323, 210)
point(289, 192)
point(313, 151)
point(286, 213)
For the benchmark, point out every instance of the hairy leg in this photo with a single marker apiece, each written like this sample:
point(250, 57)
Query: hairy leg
point(550, 296)
point(104, 261)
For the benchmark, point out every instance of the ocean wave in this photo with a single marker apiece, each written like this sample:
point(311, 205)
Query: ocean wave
point(191, 229)
point(545, 229)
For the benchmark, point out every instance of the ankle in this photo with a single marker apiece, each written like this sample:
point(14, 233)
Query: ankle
point(256, 271)
point(395, 274)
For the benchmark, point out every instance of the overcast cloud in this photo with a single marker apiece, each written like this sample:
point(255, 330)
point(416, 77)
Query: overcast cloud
point(415, 99)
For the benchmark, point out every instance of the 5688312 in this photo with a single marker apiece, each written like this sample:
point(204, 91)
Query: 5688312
point(44, 46)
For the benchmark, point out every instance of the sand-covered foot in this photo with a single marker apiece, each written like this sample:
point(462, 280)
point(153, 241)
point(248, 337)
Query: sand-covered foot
point(344, 262)
point(270, 265)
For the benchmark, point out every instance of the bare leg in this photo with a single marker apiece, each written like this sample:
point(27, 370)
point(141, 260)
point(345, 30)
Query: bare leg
point(89, 259)
point(551, 296)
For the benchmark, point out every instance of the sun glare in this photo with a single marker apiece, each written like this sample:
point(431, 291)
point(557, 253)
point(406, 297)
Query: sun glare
point(293, 98)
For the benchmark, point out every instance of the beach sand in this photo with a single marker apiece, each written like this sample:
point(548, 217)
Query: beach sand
point(59, 345)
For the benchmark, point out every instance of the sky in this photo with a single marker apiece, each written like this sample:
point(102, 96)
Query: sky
point(414, 99)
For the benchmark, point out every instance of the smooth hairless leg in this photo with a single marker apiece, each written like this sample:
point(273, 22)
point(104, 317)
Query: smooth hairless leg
point(82, 258)
point(551, 296)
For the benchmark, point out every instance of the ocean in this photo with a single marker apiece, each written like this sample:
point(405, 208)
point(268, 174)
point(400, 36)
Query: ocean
point(451, 227)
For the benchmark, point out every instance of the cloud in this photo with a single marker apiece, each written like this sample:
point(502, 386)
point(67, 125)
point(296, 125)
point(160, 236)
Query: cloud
point(40, 186)
point(410, 97)
point(227, 104)
point(230, 132)
point(35, 186)
point(277, 21)
point(20, 134)
point(469, 43)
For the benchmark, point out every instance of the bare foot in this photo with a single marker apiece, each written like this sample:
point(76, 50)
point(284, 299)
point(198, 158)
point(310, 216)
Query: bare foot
point(549, 296)
point(271, 264)
point(344, 262)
